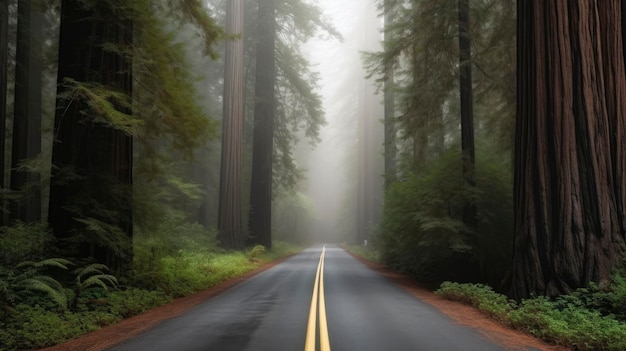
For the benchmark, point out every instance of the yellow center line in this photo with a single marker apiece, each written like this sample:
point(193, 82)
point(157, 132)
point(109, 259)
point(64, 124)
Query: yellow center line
point(318, 295)
point(324, 341)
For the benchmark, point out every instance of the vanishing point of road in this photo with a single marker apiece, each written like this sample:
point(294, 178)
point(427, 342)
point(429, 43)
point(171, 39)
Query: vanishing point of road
point(319, 299)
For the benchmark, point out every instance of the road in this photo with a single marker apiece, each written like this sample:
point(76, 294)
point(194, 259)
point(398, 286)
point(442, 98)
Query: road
point(292, 305)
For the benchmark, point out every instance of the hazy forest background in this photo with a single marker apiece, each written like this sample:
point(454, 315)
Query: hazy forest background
point(150, 149)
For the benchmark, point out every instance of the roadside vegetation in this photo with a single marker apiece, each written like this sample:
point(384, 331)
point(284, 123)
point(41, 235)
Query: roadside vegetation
point(51, 300)
point(592, 318)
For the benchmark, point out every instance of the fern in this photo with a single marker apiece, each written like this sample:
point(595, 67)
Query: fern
point(49, 262)
point(47, 285)
point(26, 277)
point(92, 275)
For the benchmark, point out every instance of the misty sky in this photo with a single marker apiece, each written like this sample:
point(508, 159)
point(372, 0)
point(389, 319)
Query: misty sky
point(331, 165)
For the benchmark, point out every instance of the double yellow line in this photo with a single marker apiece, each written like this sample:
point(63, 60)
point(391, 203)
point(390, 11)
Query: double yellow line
point(318, 296)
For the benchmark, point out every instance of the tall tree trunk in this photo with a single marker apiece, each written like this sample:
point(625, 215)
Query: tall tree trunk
point(570, 167)
point(92, 160)
point(467, 109)
point(27, 116)
point(260, 219)
point(229, 217)
point(370, 183)
point(389, 119)
point(4, 49)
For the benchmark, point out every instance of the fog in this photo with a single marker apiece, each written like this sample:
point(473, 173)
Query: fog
point(335, 166)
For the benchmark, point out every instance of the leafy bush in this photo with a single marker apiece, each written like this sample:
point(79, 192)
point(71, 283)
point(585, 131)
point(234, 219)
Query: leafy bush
point(27, 278)
point(133, 301)
point(563, 321)
point(422, 231)
point(32, 327)
point(255, 255)
point(22, 242)
point(91, 276)
point(478, 295)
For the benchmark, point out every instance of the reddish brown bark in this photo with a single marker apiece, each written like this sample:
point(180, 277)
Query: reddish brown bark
point(229, 212)
point(570, 144)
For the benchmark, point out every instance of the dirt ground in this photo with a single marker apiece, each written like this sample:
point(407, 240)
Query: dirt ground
point(465, 315)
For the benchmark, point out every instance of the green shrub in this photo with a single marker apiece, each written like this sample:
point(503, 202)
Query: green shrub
point(256, 253)
point(130, 302)
point(478, 295)
point(33, 327)
point(422, 230)
point(91, 276)
point(563, 321)
point(27, 279)
point(22, 242)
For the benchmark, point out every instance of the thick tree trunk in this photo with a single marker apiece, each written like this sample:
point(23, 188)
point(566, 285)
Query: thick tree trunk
point(4, 49)
point(467, 109)
point(96, 157)
point(570, 179)
point(27, 114)
point(229, 217)
point(260, 220)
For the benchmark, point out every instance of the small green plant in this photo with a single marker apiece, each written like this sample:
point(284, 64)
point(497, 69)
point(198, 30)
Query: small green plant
point(480, 296)
point(566, 320)
point(89, 276)
point(27, 278)
point(256, 253)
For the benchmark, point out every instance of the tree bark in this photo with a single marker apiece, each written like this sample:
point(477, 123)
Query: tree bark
point(4, 49)
point(467, 110)
point(260, 219)
point(570, 142)
point(98, 156)
point(27, 114)
point(229, 217)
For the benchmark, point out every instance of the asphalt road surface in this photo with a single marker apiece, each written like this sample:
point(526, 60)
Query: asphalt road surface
point(320, 299)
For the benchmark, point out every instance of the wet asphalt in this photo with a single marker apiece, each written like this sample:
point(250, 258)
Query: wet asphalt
point(269, 312)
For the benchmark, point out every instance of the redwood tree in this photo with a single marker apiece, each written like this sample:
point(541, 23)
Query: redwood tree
point(570, 175)
point(4, 49)
point(90, 205)
point(229, 217)
point(390, 146)
point(27, 116)
point(260, 220)
point(467, 109)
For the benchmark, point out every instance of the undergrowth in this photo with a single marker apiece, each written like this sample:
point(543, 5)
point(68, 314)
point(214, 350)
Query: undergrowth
point(582, 320)
point(37, 321)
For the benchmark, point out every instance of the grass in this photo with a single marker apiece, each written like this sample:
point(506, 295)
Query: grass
point(37, 323)
point(367, 252)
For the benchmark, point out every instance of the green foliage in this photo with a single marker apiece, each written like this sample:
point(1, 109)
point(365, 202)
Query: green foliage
point(33, 327)
point(256, 253)
point(370, 253)
point(28, 327)
point(91, 276)
point(478, 295)
point(566, 320)
point(422, 231)
point(299, 108)
point(133, 301)
point(569, 324)
point(171, 258)
point(107, 105)
point(23, 241)
point(27, 278)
